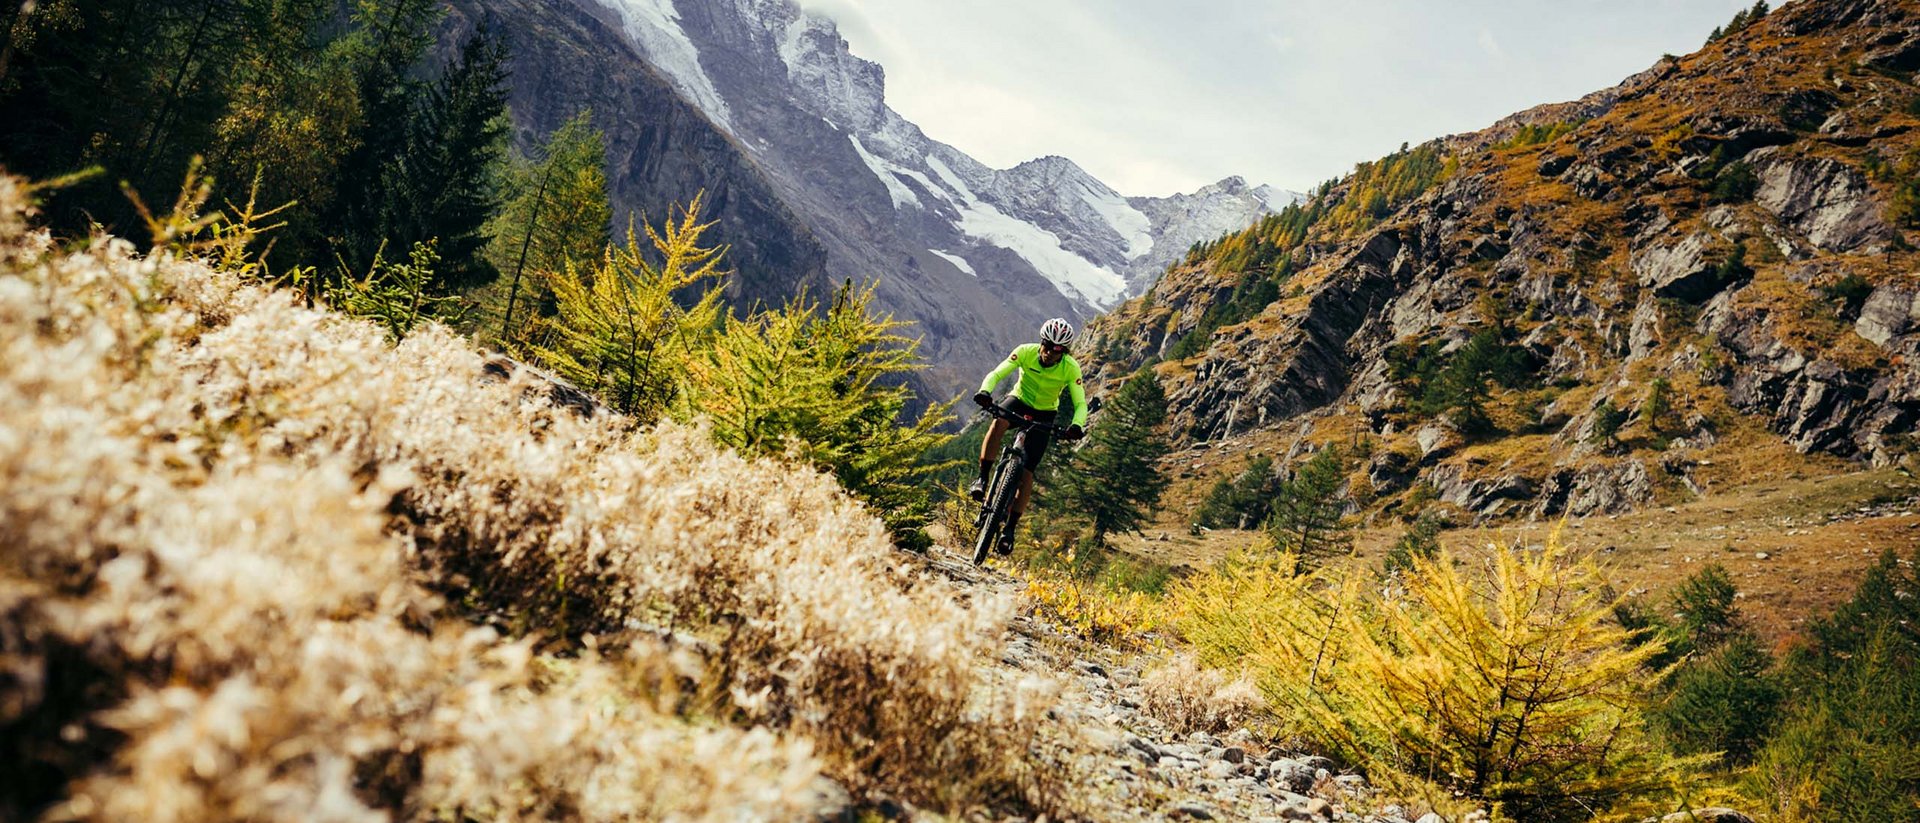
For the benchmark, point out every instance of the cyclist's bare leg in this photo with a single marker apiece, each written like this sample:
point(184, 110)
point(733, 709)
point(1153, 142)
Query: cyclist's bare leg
point(1026, 491)
point(990, 447)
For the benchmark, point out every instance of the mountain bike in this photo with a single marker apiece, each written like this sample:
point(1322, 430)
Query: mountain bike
point(1004, 485)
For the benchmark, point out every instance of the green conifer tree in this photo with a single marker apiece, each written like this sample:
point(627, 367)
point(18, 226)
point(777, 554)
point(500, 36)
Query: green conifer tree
point(388, 38)
point(556, 212)
point(824, 386)
point(1241, 501)
point(1419, 542)
point(1309, 513)
point(1115, 481)
point(445, 188)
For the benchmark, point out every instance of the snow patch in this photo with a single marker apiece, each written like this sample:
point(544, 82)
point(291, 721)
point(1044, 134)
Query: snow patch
point(792, 43)
point(1072, 274)
point(1130, 223)
point(654, 25)
point(901, 194)
point(1278, 199)
point(953, 181)
point(957, 261)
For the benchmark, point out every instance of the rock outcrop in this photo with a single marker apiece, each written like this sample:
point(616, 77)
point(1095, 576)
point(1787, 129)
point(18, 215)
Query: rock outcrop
point(1722, 226)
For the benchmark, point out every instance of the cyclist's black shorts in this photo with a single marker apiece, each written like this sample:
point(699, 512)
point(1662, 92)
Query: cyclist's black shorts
point(1037, 439)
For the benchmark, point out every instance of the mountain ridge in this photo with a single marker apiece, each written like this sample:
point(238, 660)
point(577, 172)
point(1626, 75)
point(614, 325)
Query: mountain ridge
point(1717, 225)
point(814, 180)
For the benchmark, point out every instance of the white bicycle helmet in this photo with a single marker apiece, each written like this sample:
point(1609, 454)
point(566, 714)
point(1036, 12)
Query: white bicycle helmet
point(1057, 331)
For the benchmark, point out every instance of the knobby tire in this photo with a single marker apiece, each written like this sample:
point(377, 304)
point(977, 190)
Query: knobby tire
point(993, 513)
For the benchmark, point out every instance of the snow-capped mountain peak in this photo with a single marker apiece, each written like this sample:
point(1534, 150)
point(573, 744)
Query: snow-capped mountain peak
point(977, 256)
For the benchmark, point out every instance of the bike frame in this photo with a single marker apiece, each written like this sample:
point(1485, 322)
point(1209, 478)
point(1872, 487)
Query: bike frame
point(1004, 486)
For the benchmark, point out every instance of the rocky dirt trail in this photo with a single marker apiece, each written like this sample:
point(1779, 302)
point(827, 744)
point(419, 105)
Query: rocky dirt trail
point(1142, 769)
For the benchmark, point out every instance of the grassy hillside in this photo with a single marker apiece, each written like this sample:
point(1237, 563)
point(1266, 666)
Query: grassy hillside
point(264, 564)
point(1693, 282)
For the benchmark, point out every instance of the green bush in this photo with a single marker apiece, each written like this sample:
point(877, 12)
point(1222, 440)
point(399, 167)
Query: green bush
point(1607, 420)
point(1240, 502)
point(1419, 542)
point(1851, 292)
point(1735, 183)
point(1849, 747)
point(1533, 135)
point(1726, 702)
point(1456, 383)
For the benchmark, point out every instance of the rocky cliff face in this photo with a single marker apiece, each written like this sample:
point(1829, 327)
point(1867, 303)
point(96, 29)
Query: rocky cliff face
point(816, 180)
point(569, 56)
point(1717, 247)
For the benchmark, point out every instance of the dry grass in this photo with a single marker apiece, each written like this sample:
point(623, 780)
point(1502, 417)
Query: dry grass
point(248, 544)
point(1189, 698)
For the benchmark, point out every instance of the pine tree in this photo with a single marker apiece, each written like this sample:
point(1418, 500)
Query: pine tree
point(556, 212)
point(1658, 405)
point(1419, 542)
point(1115, 480)
point(388, 38)
point(824, 387)
point(1309, 514)
point(1242, 501)
point(444, 191)
point(136, 89)
point(619, 330)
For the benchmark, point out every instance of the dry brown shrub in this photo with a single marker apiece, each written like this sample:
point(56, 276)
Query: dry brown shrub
point(247, 544)
point(1190, 698)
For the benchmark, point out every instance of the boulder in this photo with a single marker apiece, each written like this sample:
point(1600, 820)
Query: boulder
point(1553, 165)
point(1487, 249)
point(1823, 199)
point(1437, 439)
point(1601, 489)
point(1189, 810)
point(538, 381)
point(1811, 401)
point(1389, 471)
point(1644, 335)
point(1482, 495)
point(1291, 775)
point(1683, 271)
point(1888, 313)
point(1589, 181)
point(1895, 50)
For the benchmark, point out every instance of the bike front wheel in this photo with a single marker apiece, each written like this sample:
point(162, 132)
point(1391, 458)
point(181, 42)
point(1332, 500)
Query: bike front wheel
point(993, 511)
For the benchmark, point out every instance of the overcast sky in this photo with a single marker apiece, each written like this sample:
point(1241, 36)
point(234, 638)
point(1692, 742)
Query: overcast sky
point(1157, 96)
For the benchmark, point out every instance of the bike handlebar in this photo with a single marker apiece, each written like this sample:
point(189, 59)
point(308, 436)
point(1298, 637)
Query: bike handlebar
point(1001, 412)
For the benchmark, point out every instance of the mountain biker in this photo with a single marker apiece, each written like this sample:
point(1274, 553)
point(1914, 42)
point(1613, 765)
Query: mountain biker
point(1045, 369)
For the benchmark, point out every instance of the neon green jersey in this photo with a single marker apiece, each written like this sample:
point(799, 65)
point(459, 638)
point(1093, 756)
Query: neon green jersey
point(1040, 386)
